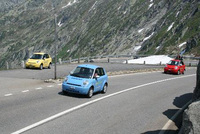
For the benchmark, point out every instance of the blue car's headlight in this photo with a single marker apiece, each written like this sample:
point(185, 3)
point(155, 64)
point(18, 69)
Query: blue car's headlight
point(65, 80)
point(85, 83)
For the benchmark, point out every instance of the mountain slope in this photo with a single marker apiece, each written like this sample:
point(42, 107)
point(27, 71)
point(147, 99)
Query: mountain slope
point(98, 27)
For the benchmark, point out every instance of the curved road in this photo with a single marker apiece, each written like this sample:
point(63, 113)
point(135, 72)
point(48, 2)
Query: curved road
point(134, 103)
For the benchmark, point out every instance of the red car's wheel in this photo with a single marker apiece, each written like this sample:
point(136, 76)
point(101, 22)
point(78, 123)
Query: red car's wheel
point(178, 73)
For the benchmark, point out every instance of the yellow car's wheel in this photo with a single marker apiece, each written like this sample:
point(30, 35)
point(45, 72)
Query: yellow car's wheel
point(41, 67)
point(49, 67)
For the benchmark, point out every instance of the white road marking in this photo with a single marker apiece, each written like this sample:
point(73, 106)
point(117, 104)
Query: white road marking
point(39, 88)
point(6, 95)
point(91, 102)
point(25, 91)
point(50, 86)
point(60, 84)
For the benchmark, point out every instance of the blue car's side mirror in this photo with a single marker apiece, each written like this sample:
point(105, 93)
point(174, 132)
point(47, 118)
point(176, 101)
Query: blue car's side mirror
point(71, 72)
point(96, 77)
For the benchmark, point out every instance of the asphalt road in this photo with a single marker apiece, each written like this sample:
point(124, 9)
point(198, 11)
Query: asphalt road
point(134, 103)
point(63, 70)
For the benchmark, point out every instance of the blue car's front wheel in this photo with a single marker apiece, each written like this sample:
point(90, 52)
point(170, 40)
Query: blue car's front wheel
point(90, 92)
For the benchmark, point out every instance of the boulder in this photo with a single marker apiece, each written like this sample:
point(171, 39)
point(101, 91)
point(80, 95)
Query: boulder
point(191, 119)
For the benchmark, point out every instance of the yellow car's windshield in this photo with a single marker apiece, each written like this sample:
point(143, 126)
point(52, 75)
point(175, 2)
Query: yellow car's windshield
point(36, 56)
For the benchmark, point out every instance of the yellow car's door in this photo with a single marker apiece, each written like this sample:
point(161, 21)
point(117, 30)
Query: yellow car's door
point(48, 61)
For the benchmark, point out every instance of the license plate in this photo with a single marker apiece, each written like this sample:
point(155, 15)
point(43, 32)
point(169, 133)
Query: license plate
point(72, 87)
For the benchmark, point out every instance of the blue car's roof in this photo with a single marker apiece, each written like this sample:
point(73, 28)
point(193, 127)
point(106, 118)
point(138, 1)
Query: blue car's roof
point(88, 66)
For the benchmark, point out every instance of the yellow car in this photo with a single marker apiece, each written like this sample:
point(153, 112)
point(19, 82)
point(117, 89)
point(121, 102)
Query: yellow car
point(39, 60)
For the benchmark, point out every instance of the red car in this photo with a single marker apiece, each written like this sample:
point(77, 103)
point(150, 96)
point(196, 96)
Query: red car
point(175, 67)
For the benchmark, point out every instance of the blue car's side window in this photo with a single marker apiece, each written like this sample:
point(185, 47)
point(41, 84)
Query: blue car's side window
point(100, 72)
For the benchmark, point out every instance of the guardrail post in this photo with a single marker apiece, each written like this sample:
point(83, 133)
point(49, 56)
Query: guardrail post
point(144, 62)
point(108, 60)
point(78, 59)
point(160, 62)
point(60, 61)
point(7, 65)
point(88, 59)
point(70, 59)
point(22, 64)
point(126, 61)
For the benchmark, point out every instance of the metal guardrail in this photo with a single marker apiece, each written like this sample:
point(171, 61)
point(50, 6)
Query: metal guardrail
point(189, 60)
point(109, 57)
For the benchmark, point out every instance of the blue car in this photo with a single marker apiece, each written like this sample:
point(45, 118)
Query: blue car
point(86, 79)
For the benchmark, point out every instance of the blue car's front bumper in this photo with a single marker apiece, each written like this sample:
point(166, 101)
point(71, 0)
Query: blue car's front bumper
point(74, 89)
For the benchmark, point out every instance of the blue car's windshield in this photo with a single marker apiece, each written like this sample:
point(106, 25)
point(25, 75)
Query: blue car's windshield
point(83, 72)
point(36, 56)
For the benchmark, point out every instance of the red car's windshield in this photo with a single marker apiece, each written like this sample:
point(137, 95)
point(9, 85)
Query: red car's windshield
point(172, 62)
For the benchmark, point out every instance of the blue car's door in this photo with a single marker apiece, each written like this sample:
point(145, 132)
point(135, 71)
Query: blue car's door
point(99, 79)
point(98, 83)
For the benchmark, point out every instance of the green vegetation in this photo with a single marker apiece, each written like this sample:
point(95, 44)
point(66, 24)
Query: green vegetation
point(107, 28)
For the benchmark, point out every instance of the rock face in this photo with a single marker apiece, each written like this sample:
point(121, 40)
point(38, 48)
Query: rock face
point(191, 116)
point(98, 27)
point(196, 95)
point(191, 119)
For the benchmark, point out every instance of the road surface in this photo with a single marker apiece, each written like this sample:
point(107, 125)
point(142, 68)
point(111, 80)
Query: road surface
point(134, 103)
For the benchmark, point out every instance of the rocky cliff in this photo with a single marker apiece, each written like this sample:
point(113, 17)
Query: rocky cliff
point(191, 116)
point(98, 27)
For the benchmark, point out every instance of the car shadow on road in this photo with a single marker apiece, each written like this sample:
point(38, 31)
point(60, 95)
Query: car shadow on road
point(75, 95)
point(72, 95)
point(161, 131)
point(169, 73)
point(179, 102)
point(31, 69)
